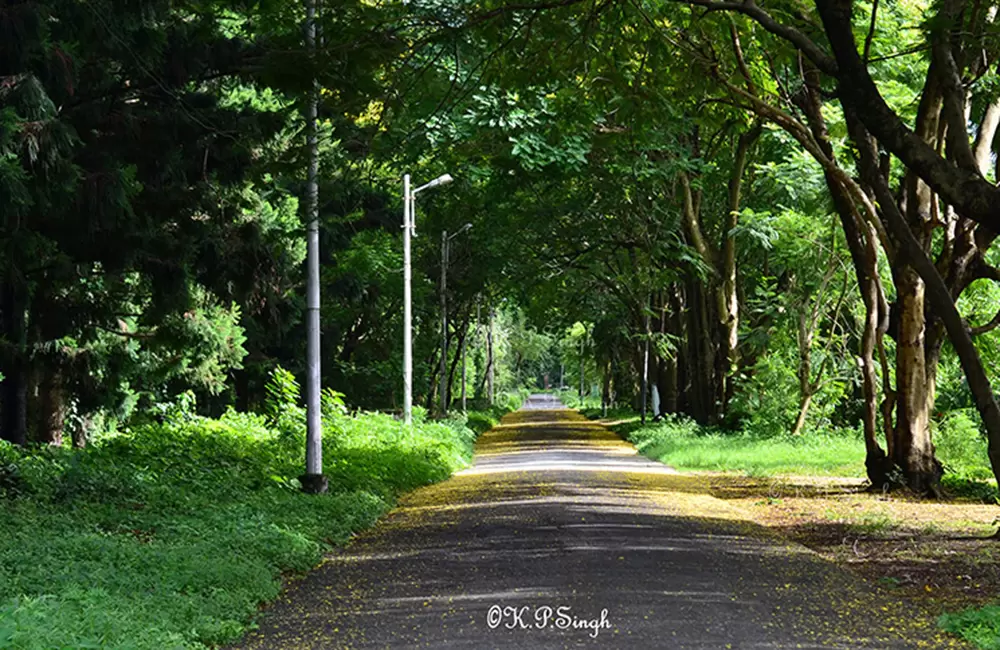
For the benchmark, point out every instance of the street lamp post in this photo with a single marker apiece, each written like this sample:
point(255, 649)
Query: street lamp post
point(313, 481)
point(445, 239)
point(410, 230)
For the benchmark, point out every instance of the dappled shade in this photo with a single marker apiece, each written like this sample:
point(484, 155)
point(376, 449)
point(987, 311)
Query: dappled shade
point(559, 511)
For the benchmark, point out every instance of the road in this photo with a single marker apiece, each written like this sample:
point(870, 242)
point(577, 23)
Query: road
point(561, 536)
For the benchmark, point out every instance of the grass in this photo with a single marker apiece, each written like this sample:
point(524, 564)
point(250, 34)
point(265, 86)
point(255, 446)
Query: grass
point(172, 534)
point(684, 445)
point(571, 399)
point(980, 626)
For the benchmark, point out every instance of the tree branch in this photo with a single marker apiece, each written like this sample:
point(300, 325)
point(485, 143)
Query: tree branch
point(971, 194)
point(987, 327)
point(821, 59)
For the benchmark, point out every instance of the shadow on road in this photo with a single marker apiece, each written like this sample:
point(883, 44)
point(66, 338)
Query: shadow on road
point(557, 511)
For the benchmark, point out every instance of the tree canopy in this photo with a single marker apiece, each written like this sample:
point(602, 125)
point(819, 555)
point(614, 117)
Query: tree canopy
point(793, 207)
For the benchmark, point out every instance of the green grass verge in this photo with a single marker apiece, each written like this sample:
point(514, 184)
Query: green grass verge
point(682, 444)
point(170, 536)
point(979, 626)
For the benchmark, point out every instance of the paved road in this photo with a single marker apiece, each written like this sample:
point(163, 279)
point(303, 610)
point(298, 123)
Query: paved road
point(557, 512)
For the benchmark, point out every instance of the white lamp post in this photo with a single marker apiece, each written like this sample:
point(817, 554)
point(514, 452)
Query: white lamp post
point(313, 480)
point(409, 229)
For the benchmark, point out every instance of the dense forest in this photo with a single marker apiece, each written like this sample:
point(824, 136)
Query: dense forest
point(776, 218)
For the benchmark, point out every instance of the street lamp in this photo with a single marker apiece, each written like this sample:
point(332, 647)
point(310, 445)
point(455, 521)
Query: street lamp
point(409, 228)
point(445, 238)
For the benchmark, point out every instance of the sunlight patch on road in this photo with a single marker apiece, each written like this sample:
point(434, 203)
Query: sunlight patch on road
point(566, 466)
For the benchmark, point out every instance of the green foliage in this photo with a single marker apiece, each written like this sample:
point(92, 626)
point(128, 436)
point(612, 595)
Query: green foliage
point(980, 626)
point(977, 490)
point(170, 534)
point(768, 400)
point(511, 400)
point(571, 399)
point(683, 444)
point(480, 421)
point(961, 445)
point(282, 405)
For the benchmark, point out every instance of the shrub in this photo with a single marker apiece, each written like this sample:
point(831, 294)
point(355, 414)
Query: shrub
point(980, 626)
point(961, 446)
point(170, 534)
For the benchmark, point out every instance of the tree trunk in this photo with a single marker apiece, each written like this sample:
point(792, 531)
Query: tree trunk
point(805, 399)
point(14, 388)
point(862, 243)
point(729, 311)
point(51, 407)
point(912, 449)
point(701, 343)
point(83, 432)
point(671, 378)
point(606, 386)
point(804, 371)
point(490, 387)
point(459, 341)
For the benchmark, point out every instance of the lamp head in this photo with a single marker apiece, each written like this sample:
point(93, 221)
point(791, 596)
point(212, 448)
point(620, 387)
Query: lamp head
point(443, 179)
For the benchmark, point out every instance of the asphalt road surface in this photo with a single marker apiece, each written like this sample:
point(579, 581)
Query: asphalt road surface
point(561, 536)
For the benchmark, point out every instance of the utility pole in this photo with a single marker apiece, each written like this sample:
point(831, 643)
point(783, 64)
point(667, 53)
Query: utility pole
point(582, 338)
point(313, 480)
point(489, 365)
point(409, 231)
point(443, 391)
point(407, 310)
point(645, 370)
point(465, 335)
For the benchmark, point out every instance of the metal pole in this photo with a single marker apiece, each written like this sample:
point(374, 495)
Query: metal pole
point(444, 323)
point(464, 345)
point(313, 480)
point(581, 363)
point(407, 310)
point(645, 371)
point(479, 324)
point(489, 366)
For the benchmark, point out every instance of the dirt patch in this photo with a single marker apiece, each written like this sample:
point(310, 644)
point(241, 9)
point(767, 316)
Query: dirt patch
point(941, 553)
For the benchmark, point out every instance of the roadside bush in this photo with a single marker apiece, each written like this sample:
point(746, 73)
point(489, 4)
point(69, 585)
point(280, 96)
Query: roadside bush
point(481, 421)
point(961, 446)
point(169, 535)
point(980, 626)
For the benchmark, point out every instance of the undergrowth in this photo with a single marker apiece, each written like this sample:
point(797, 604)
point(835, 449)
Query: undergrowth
point(683, 444)
point(171, 534)
point(979, 626)
point(571, 399)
